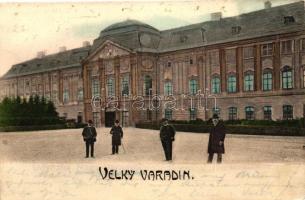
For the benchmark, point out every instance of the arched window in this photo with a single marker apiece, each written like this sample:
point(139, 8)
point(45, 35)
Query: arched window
point(267, 81)
point(231, 84)
point(215, 85)
point(193, 86)
point(168, 88)
point(147, 85)
point(249, 82)
point(249, 111)
point(287, 80)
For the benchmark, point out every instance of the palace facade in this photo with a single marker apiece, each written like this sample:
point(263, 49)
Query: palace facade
point(251, 66)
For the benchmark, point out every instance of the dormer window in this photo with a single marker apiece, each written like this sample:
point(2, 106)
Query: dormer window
point(289, 20)
point(169, 64)
point(191, 61)
point(236, 30)
point(183, 38)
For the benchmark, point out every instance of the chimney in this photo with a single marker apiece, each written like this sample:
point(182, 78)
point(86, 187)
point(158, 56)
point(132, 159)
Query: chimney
point(268, 4)
point(41, 54)
point(62, 49)
point(86, 44)
point(216, 16)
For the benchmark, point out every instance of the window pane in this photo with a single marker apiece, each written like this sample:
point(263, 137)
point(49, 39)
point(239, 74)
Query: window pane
point(287, 112)
point(168, 89)
point(147, 85)
point(249, 82)
point(125, 85)
point(110, 87)
point(267, 113)
point(216, 85)
point(267, 81)
point(193, 86)
point(232, 113)
point(232, 84)
point(287, 79)
point(249, 113)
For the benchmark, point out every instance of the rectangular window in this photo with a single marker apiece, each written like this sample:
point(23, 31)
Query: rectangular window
point(249, 82)
point(125, 85)
point(267, 113)
point(267, 49)
point(287, 79)
point(95, 88)
point(286, 47)
point(125, 118)
point(287, 112)
point(232, 113)
point(249, 111)
point(95, 119)
point(193, 114)
point(193, 86)
point(216, 85)
point(248, 52)
point(267, 81)
point(80, 94)
point(110, 87)
point(66, 96)
point(232, 84)
point(168, 114)
point(168, 89)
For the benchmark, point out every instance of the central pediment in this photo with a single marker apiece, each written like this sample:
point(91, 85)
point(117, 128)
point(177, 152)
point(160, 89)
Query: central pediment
point(108, 50)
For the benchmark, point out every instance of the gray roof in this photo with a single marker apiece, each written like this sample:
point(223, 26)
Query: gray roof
point(140, 37)
point(66, 59)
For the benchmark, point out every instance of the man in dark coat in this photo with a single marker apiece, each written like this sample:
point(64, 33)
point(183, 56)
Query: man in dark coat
point(216, 140)
point(89, 135)
point(167, 136)
point(117, 134)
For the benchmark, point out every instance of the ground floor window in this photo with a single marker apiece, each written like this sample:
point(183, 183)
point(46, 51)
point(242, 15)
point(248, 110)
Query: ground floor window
point(96, 118)
point(193, 114)
point(249, 111)
point(267, 113)
point(125, 118)
point(287, 112)
point(232, 113)
point(168, 114)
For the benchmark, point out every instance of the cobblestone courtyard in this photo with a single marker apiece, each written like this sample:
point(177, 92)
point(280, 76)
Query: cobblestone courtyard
point(144, 146)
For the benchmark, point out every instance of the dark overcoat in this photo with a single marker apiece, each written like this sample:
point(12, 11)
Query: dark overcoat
point(217, 134)
point(89, 134)
point(167, 133)
point(117, 134)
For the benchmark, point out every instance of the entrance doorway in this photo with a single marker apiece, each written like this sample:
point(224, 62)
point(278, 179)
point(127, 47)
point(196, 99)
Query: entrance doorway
point(109, 119)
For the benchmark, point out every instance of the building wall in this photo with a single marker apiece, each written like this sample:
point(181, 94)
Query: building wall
point(51, 85)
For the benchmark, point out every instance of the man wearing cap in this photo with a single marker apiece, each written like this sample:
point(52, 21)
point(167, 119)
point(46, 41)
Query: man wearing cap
point(167, 136)
point(117, 134)
point(89, 135)
point(216, 140)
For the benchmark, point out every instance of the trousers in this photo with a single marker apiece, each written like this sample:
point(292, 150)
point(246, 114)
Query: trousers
point(168, 148)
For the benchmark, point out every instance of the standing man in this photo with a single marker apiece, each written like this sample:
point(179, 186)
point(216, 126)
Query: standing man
point(117, 134)
point(89, 135)
point(216, 140)
point(167, 136)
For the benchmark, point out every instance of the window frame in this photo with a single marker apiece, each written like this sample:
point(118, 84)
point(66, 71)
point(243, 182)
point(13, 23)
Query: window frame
point(287, 78)
point(230, 88)
point(168, 88)
point(110, 87)
point(267, 111)
point(287, 116)
point(193, 86)
point(249, 82)
point(267, 81)
point(268, 51)
point(232, 113)
point(249, 113)
point(193, 114)
point(215, 82)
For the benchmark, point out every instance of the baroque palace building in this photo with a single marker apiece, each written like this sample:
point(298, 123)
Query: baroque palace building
point(251, 66)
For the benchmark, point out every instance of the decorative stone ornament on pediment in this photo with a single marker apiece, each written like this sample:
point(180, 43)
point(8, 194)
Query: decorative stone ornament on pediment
point(109, 66)
point(124, 65)
point(110, 50)
point(147, 64)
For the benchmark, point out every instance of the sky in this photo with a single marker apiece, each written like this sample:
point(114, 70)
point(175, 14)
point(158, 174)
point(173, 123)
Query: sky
point(26, 28)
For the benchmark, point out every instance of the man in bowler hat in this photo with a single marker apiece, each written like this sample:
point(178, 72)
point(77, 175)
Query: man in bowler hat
point(216, 140)
point(89, 135)
point(117, 134)
point(167, 136)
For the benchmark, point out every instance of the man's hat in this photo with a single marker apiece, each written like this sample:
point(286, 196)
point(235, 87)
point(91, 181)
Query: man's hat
point(215, 116)
point(90, 121)
point(117, 121)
